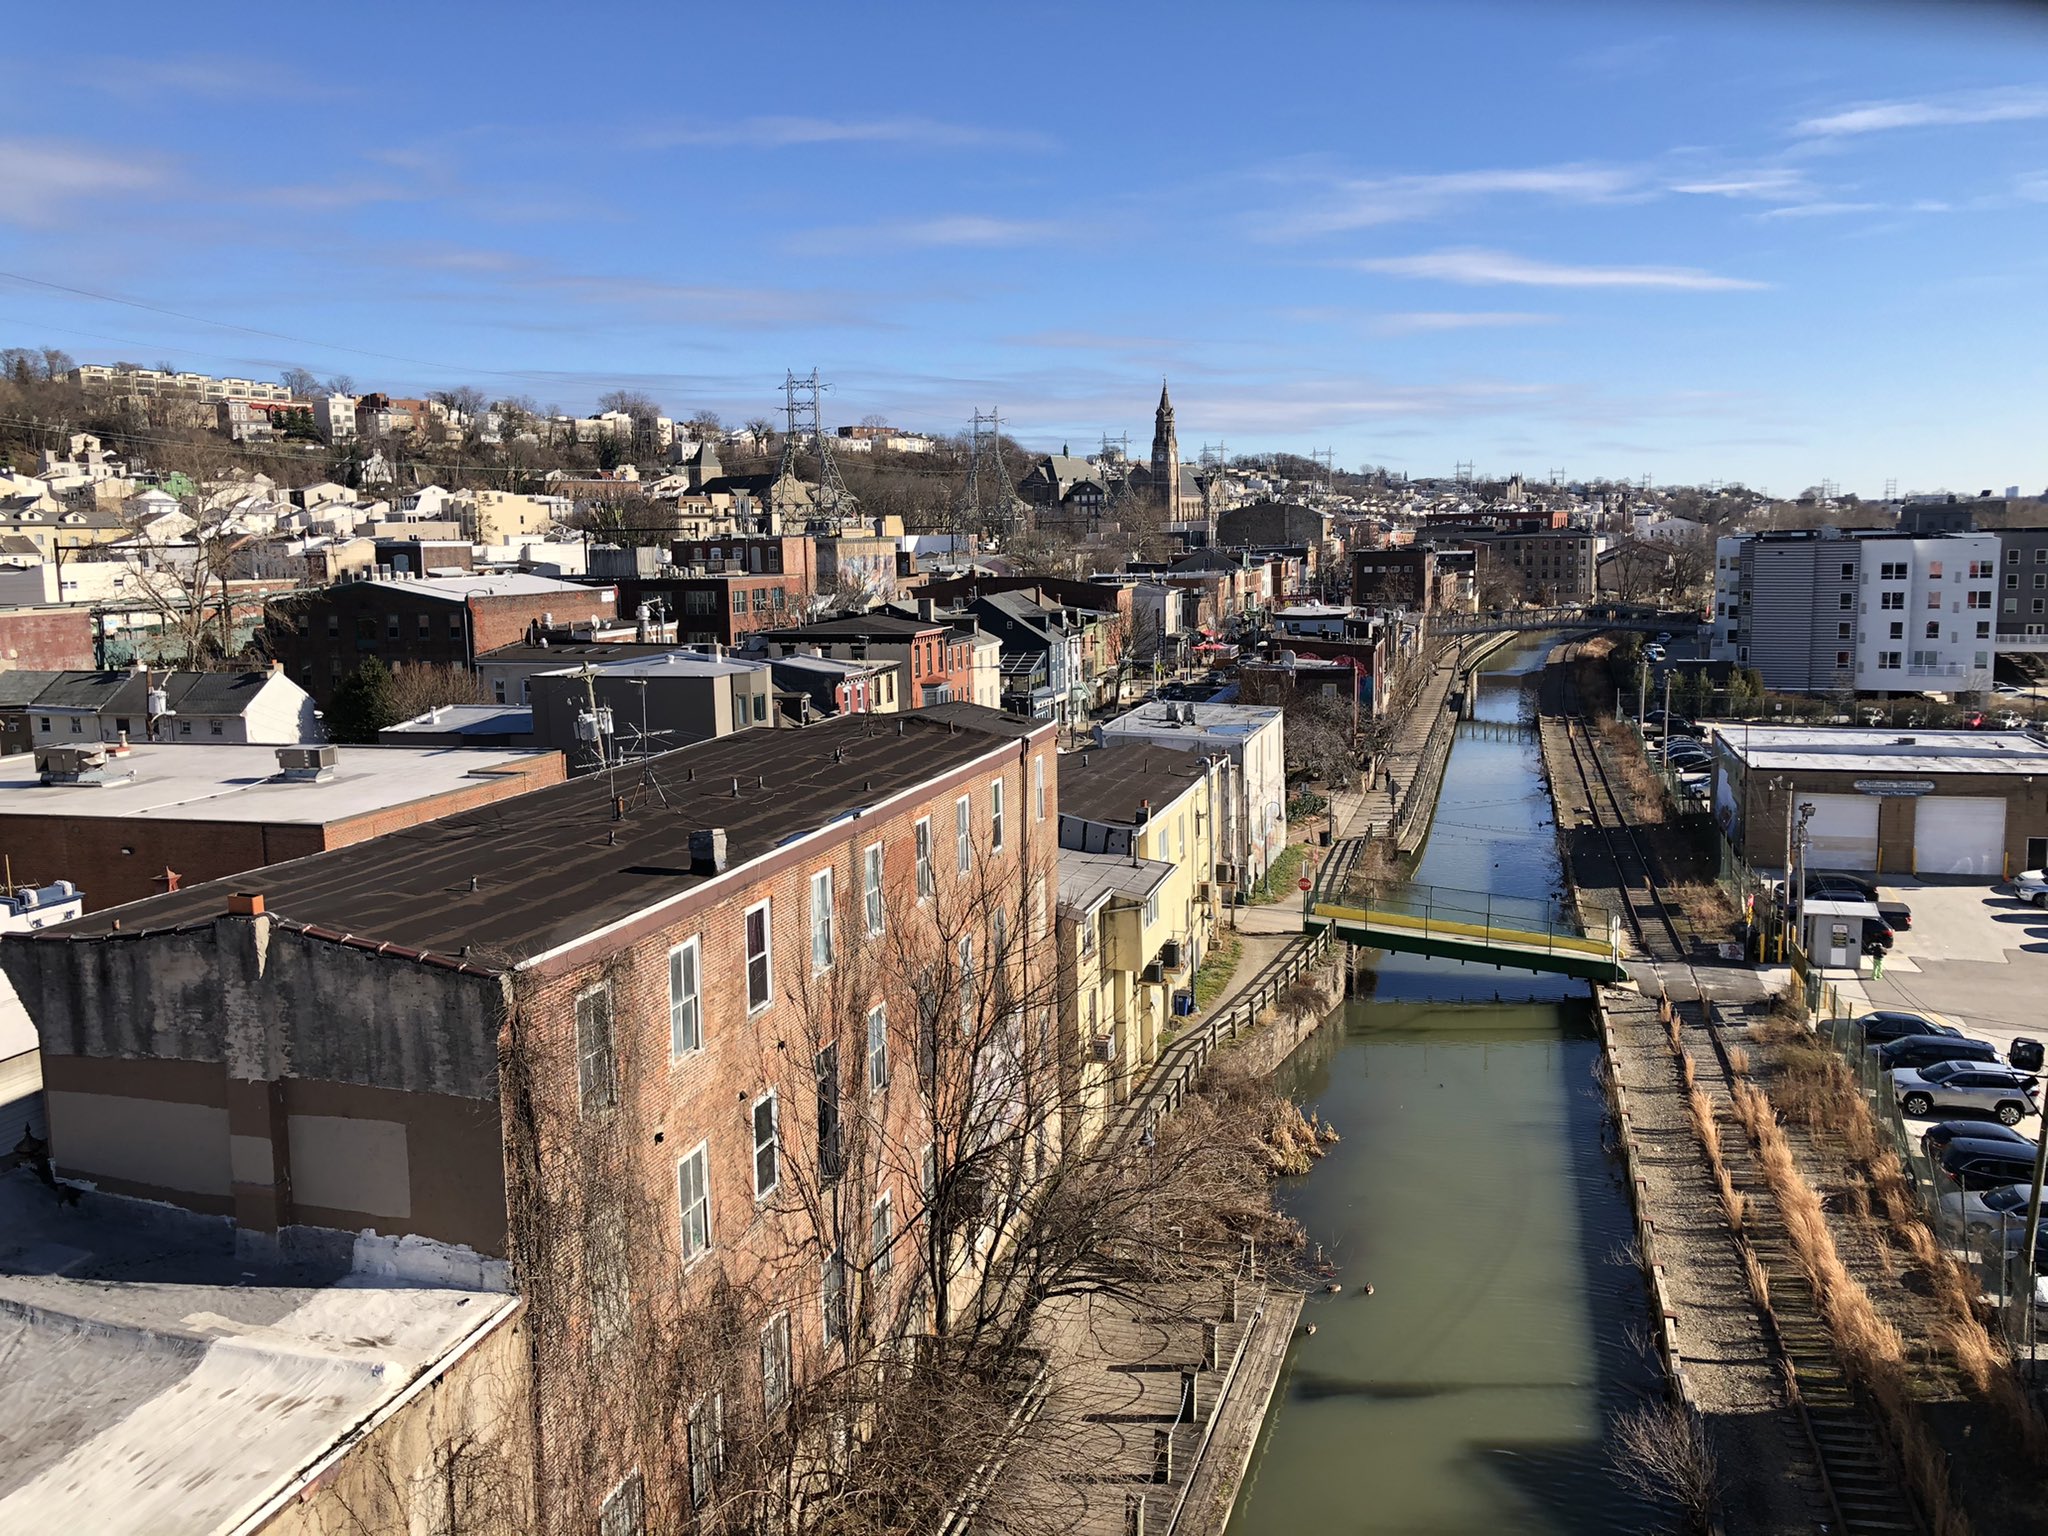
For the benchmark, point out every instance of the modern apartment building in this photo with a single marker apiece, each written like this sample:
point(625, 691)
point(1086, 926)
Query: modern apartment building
point(1823, 609)
point(145, 383)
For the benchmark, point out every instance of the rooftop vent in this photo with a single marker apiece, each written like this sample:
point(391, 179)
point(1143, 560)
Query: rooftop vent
point(81, 765)
point(1907, 741)
point(307, 765)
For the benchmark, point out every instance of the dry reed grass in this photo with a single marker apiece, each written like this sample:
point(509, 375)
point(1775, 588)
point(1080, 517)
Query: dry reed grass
point(1738, 1061)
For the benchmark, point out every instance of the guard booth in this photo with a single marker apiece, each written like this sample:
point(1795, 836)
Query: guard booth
point(1833, 931)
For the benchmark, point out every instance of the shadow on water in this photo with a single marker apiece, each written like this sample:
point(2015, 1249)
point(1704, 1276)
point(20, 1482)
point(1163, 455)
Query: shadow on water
point(1474, 1191)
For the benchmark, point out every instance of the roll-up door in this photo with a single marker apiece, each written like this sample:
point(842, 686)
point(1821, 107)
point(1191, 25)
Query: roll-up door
point(1959, 835)
point(1842, 833)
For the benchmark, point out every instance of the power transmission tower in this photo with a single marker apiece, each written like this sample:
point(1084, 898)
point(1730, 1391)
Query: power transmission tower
point(833, 503)
point(1214, 455)
point(1891, 488)
point(990, 503)
point(1463, 471)
point(1326, 458)
point(1557, 478)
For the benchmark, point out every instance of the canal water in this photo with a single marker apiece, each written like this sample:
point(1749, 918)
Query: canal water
point(1471, 1189)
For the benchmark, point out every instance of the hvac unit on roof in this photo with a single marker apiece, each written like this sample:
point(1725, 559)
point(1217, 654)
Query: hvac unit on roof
point(307, 764)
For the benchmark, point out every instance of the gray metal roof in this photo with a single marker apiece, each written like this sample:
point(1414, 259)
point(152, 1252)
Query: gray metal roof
point(1087, 880)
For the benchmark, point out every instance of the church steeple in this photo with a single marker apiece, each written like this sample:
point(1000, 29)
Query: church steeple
point(1165, 454)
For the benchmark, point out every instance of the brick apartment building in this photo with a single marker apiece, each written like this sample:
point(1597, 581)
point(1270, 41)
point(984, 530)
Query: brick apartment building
point(696, 1059)
point(322, 636)
point(722, 609)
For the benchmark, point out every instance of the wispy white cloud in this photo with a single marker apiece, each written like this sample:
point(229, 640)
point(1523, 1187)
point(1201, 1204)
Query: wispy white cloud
point(1424, 321)
point(42, 178)
point(1770, 184)
point(1819, 210)
point(952, 231)
point(794, 132)
point(2016, 105)
point(2032, 187)
point(220, 76)
point(1482, 268)
point(1334, 204)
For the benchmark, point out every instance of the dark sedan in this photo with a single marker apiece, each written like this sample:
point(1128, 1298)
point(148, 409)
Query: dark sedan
point(1940, 1135)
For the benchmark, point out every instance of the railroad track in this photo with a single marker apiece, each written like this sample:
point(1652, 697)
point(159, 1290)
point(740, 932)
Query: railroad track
point(1852, 1459)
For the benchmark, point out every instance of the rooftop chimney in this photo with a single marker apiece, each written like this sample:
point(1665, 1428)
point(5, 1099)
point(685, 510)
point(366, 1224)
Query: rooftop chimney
point(245, 904)
point(707, 851)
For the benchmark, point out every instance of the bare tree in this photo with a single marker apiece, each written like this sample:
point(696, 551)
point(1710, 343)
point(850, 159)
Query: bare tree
point(302, 382)
point(417, 689)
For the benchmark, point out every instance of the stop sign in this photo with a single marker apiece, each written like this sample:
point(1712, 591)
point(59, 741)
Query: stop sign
point(1305, 882)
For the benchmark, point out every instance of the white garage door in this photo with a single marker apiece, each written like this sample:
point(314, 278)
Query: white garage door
point(1959, 835)
point(1843, 832)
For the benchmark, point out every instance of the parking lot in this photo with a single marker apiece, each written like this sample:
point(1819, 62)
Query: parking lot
point(1976, 957)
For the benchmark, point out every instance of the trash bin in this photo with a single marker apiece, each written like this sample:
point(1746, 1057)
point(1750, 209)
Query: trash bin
point(1183, 1002)
point(2025, 1054)
point(1325, 837)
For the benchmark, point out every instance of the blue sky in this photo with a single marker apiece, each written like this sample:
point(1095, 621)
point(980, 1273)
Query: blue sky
point(1773, 243)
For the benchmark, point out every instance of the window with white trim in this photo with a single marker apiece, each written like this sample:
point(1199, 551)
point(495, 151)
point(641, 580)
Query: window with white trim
point(830, 1155)
point(821, 922)
point(693, 1195)
point(995, 816)
point(926, 884)
point(760, 958)
point(1151, 909)
point(966, 981)
point(881, 1239)
point(871, 890)
point(685, 998)
point(767, 1147)
point(878, 1048)
point(597, 1079)
point(963, 833)
point(832, 1297)
point(1038, 788)
point(624, 1512)
point(775, 1362)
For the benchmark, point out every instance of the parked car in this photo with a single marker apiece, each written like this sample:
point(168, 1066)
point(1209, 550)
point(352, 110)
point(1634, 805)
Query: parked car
point(1889, 1024)
point(1677, 754)
point(1966, 1086)
point(2008, 691)
point(1918, 1051)
point(1942, 1132)
point(1653, 653)
point(2001, 1209)
point(1664, 637)
point(1897, 914)
point(1839, 887)
point(2031, 885)
point(1975, 1165)
point(1976, 720)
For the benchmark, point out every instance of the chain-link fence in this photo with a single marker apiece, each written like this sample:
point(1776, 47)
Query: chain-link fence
point(1991, 1242)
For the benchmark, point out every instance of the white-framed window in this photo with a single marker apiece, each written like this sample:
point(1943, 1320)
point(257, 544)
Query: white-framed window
point(821, 922)
point(597, 1073)
point(685, 998)
point(878, 1048)
point(767, 1146)
point(760, 958)
point(832, 1298)
point(995, 816)
point(775, 1362)
point(693, 1195)
point(1038, 788)
point(926, 884)
point(831, 1160)
point(881, 1239)
point(1151, 909)
point(963, 833)
point(871, 889)
point(928, 1172)
point(966, 981)
point(624, 1511)
point(707, 1447)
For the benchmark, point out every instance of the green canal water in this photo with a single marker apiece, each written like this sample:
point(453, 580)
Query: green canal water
point(1471, 1391)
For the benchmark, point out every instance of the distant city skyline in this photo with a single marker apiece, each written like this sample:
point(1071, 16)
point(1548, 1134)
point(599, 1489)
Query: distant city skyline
point(1779, 244)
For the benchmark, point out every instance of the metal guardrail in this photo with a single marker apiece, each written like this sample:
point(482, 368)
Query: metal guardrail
point(1188, 1053)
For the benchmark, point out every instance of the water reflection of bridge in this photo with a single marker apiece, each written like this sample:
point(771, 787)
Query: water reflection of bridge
point(1494, 730)
point(1458, 925)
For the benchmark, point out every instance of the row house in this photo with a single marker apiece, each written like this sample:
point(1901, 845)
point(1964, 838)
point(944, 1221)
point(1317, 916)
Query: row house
point(706, 1074)
point(720, 609)
point(1138, 909)
point(934, 658)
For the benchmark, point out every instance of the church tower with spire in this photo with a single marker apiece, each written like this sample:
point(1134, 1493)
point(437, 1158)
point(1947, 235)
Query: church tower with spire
point(1165, 455)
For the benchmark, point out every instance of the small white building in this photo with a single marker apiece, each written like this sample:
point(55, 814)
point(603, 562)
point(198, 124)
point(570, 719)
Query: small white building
point(200, 708)
point(1252, 738)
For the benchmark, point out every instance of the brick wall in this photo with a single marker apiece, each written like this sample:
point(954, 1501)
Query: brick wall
point(46, 639)
point(669, 1106)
